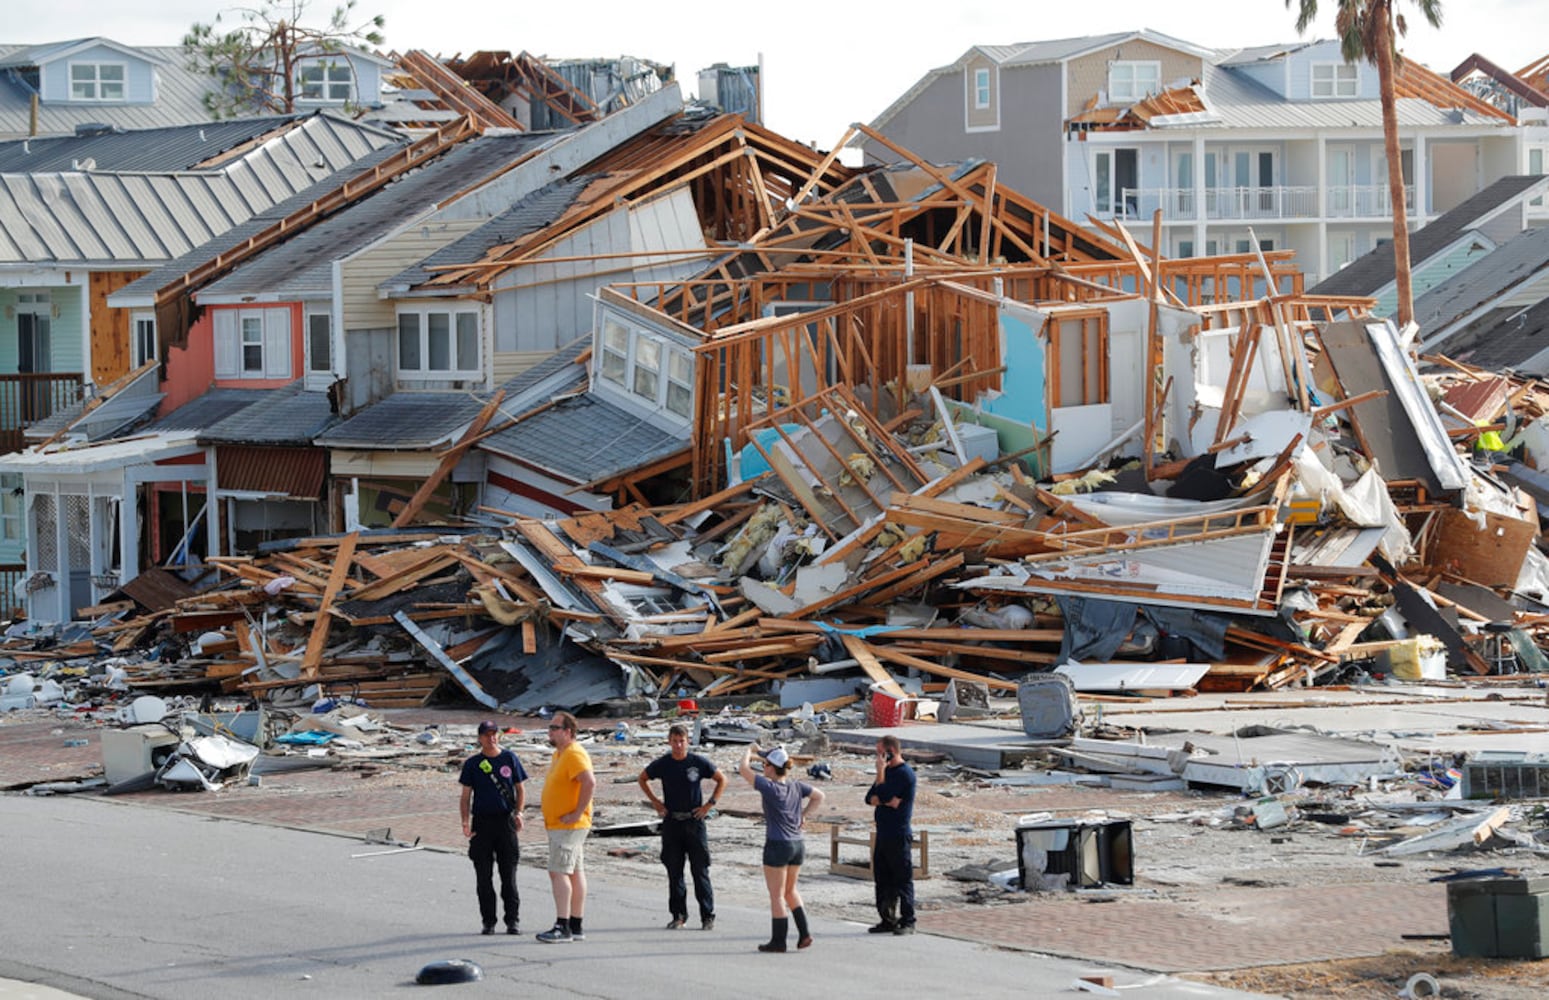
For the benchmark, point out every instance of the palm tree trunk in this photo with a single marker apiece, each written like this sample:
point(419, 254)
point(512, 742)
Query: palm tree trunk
point(1385, 71)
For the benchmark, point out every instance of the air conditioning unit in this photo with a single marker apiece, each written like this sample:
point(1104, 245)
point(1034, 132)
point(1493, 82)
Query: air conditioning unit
point(136, 751)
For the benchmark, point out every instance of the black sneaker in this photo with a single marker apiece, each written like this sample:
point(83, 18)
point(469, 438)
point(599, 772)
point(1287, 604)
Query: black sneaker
point(903, 929)
point(675, 923)
point(558, 934)
point(578, 935)
point(513, 929)
point(885, 927)
point(488, 929)
point(707, 923)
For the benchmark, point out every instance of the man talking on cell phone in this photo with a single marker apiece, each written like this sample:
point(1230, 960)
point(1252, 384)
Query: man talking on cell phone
point(892, 868)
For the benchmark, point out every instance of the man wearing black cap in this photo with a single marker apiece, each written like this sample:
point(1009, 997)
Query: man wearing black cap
point(492, 804)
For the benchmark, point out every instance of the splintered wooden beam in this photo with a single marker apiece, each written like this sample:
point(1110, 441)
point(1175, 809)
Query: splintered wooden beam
point(434, 561)
point(862, 653)
point(318, 640)
point(905, 660)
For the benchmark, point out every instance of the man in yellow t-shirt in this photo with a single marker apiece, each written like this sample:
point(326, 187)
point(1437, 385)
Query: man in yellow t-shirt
point(567, 813)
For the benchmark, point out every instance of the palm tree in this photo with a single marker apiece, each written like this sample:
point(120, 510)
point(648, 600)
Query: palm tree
point(1370, 29)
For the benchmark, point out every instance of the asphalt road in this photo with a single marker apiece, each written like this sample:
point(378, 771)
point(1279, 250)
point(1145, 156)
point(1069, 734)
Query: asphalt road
point(105, 899)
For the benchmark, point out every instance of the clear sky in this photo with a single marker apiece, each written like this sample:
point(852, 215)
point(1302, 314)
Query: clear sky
point(826, 65)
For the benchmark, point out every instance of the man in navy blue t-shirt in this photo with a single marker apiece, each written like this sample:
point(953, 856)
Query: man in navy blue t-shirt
point(892, 868)
point(492, 804)
point(683, 810)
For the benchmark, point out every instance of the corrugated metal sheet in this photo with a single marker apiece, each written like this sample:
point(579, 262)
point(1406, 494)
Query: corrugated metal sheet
point(292, 472)
point(174, 148)
point(304, 264)
point(136, 219)
point(179, 96)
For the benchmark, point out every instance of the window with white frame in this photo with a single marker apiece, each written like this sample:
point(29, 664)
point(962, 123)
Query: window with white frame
point(97, 81)
point(615, 351)
point(652, 369)
point(680, 383)
point(1330, 80)
point(327, 80)
point(142, 331)
point(981, 88)
point(1536, 158)
point(12, 528)
point(1130, 80)
point(319, 342)
point(439, 343)
point(252, 343)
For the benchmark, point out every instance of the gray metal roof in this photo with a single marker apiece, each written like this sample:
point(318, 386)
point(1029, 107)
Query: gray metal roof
point(208, 410)
point(1370, 273)
point(532, 213)
point(292, 415)
point(1507, 338)
point(405, 420)
point(178, 147)
point(128, 220)
point(1239, 102)
point(1486, 279)
point(179, 94)
point(302, 266)
point(584, 439)
point(141, 291)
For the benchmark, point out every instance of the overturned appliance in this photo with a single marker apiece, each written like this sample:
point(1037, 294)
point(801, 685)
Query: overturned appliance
point(205, 762)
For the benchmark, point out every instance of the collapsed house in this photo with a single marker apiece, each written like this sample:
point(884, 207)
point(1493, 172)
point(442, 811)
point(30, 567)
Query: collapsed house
point(672, 405)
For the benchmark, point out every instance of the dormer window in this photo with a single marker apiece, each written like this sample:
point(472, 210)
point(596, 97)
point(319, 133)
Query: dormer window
point(981, 88)
point(326, 81)
point(1331, 80)
point(1132, 80)
point(97, 81)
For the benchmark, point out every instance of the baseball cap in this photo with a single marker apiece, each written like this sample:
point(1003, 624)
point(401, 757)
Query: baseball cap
point(488, 726)
point(778, 757)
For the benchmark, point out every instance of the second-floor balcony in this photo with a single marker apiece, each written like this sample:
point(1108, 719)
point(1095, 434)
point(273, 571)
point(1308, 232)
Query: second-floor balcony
point(1249, 203)
point(29, 397)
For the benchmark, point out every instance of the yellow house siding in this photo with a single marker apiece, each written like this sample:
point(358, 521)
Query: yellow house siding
point(362, 273)
point(1089, 74)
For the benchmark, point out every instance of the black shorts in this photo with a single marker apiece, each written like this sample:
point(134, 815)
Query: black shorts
point(784, 853)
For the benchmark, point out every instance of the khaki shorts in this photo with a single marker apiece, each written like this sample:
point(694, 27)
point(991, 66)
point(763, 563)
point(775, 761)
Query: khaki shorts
point(565, 851)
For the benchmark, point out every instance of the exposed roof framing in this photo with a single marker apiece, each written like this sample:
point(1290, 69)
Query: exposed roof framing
point(740, 174)
point(454, 91)
point(1513, 83)
point(497, 75)
point(1414, 80)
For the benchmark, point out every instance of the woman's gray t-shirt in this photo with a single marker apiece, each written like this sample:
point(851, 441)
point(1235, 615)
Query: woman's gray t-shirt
point(782, 807)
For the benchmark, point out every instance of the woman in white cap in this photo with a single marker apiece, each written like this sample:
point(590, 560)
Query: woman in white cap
point(784, 815)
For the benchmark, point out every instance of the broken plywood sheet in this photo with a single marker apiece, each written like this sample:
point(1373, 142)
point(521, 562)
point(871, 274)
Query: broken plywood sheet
point(1491, 554)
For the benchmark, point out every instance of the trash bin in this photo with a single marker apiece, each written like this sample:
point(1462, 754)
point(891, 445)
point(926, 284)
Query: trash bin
point(1499, 917)
point(1048, 706)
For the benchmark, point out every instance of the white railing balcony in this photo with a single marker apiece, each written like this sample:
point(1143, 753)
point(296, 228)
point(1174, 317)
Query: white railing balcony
point(1281, 202)
point(1360, 201)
